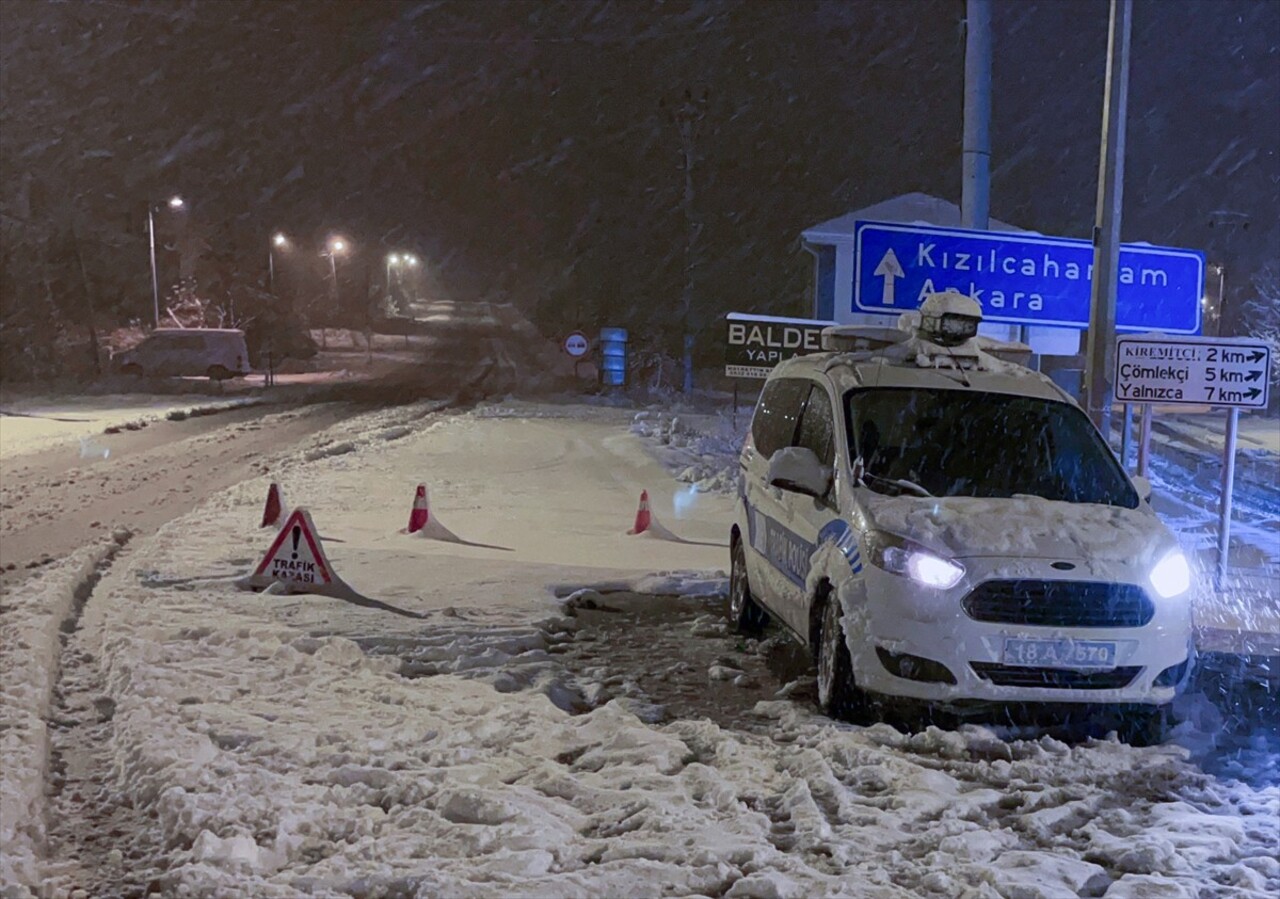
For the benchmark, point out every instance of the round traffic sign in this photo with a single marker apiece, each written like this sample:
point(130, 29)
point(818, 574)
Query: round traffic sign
point(576, 344)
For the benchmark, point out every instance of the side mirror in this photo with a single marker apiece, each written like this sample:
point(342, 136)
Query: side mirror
point(797, 469)
point(1143, 486)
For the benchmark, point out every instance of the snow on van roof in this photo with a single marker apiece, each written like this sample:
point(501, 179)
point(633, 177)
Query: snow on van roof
point(197, 331)
point(900, 365)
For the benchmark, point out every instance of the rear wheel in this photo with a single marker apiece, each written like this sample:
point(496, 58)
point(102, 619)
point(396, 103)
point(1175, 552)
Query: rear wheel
point(838, 695)
point(133, 369)
point(745, 614)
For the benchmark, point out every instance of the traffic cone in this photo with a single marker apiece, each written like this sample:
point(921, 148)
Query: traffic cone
point(420, 513)
point(273, 512)
point(643, 517)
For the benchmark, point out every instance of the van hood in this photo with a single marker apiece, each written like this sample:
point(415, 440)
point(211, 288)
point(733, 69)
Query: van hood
point(1022, 527)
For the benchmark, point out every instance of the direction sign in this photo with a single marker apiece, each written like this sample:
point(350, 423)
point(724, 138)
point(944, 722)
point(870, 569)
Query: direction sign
point(754, 344)
point(1022, 278)
point(576, 344)
point(1199, 371)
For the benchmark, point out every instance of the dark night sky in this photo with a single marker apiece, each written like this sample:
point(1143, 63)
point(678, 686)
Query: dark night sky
point(526, 150)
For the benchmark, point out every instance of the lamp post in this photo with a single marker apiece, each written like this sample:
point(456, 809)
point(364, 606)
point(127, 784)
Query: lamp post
point(336, 245)
point(1222, 295)
point(410, 261)
point(393, 259)
point(174, 203)
point(278, 241)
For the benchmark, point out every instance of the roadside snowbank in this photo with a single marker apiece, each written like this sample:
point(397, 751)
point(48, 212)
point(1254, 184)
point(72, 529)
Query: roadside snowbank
point(32, 426)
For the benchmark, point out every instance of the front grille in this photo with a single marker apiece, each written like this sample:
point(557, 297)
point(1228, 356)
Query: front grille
point(1055, 678)
point(1059, 604)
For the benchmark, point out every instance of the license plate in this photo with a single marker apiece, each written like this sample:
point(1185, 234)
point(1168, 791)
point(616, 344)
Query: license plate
point(1059, 653)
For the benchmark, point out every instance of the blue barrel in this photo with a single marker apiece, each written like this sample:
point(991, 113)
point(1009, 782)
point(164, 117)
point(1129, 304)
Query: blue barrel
point(613, 356)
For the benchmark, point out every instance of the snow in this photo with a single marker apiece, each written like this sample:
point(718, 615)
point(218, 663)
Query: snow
point(29, 636)
point(35, 424)
point(1019, 525)
point(285, 745)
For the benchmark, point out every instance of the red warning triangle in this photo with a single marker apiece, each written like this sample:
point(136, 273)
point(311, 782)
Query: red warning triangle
point(296, 556)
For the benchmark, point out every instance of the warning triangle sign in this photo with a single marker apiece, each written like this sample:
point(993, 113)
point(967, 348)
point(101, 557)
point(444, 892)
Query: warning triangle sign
point(296, 557)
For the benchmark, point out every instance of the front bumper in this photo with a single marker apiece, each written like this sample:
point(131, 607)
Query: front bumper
point(900, 633)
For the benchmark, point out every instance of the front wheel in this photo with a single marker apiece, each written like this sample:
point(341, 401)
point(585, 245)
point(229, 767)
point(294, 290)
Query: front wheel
point(218, 373)
point(133, 369)
point(745, 614)
point(838, 695)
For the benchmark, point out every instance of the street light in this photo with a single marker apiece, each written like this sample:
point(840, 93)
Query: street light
point(278, 241)
point(175, 203)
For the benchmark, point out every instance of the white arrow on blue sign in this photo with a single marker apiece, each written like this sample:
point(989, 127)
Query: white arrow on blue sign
point(1022, 278)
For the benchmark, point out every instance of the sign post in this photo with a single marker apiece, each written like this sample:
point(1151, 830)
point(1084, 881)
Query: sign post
point(575, 346)
point(1144, 442)
point(1228, 483)
point(1232, 372)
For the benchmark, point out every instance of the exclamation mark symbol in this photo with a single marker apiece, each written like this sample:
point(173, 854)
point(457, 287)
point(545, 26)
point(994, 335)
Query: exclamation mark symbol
point(297, 534)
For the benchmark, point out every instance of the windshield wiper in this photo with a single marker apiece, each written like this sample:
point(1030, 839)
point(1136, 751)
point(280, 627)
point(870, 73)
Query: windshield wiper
point(900, 484)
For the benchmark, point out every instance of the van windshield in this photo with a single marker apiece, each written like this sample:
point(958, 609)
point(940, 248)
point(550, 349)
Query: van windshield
point(969, 443)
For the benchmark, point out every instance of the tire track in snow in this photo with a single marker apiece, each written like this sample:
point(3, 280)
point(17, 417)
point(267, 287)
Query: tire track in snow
point(39, 621)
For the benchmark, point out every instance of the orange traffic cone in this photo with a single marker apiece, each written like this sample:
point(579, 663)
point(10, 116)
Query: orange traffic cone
point(420, 513)
point(643, 516)
point(274, 509)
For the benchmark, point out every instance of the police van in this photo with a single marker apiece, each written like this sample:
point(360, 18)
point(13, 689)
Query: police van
point(939, 523)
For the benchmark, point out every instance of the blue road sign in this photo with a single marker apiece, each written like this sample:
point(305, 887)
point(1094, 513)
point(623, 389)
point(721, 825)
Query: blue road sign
point(1019, 278)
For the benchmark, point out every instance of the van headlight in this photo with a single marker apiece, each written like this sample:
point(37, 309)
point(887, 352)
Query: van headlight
point(898, 555)
point(1171, 576)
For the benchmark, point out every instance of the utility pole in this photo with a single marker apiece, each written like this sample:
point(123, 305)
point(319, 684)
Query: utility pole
point(155, 282)
point(975, 192)
point(1106, 229)
point(687, 117)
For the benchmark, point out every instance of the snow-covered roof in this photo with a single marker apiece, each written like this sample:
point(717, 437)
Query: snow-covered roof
point(879, 369)
point(914, 208)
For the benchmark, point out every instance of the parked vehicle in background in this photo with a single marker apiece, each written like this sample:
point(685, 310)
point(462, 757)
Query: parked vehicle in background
point(939, 524)
point(216, 353)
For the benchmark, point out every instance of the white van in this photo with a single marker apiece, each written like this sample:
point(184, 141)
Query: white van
point(216, 353)
point(937, 523)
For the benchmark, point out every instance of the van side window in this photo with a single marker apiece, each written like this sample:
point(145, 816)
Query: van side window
point(774, 423)
point(181, 342)
point(818, 427)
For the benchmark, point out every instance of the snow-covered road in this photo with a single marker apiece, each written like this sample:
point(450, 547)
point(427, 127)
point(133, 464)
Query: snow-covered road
point(78, 484)
point(212, 742)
